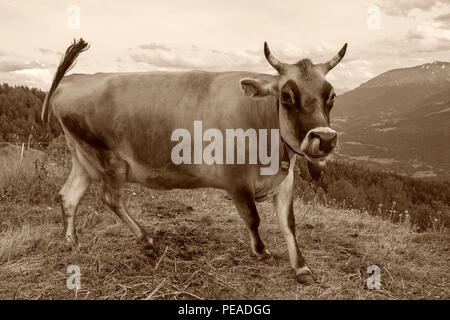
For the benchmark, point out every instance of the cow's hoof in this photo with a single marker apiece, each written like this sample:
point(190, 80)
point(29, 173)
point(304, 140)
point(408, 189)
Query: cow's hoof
point(265, 256)
point(147, 247)
point(305, 279)
point(71, 243)
point(66, 246)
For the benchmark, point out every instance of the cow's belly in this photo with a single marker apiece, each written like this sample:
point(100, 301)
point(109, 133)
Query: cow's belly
point(157, 179)
point(171, 176)
point(204, 176)
point(157, 171)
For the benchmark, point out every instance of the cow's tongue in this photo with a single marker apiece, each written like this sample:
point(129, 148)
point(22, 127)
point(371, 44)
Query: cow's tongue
point(314, 146)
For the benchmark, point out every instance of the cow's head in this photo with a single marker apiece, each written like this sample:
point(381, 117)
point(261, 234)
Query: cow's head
point(305, 100)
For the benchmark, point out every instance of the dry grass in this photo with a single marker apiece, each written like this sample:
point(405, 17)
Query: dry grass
point(204, 252)
point(24, 177)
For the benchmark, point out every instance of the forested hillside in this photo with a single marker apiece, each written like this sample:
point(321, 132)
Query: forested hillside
point(20, 110)
point(423, 203)
point(398, 121)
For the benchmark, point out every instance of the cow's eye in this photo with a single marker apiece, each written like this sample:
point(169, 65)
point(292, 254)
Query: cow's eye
point(333, 97)
point(331, 101)
point(286, 97)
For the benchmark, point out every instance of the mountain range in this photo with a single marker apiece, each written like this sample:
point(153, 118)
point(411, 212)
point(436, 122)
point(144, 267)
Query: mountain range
point(399, 121)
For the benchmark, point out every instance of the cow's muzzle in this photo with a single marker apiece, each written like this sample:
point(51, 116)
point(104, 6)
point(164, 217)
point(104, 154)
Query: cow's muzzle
point(319, 142)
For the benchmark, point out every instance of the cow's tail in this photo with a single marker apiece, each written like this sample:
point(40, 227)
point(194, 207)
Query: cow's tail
point(67, 63)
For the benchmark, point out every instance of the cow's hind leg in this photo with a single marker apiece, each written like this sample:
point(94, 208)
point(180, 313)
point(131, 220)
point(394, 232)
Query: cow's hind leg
point(113, 181)
point(245, 205)
point(73, 190)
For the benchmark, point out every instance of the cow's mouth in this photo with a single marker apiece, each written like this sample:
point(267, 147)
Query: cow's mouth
point(313, 150)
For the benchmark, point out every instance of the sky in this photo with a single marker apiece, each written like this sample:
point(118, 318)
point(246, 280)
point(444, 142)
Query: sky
point(134, 35)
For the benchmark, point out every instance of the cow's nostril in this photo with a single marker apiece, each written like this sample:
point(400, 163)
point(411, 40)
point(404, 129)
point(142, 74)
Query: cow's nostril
point(334, 141)
point(327, 138)
point(328, 142)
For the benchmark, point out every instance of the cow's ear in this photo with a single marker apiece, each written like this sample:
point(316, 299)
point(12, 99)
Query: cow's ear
point(258, 87)
point(315, 169)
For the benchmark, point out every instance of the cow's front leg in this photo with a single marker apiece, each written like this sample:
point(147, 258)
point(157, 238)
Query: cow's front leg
point(285, 212)
point(244, 201)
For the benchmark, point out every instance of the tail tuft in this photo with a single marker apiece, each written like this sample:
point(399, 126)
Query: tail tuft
point(67, 62)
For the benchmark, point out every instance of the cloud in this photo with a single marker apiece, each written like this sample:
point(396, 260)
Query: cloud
point(46, 51)
point(9, 65)
point(159, 56)
point(154, 46)
point(38, 78)
point(17, 69)
point(318, 53)
point(444, 19)
point(188, 58)
point(347, 73)
point(163, 57)
point(429, 37)
point(404, 7)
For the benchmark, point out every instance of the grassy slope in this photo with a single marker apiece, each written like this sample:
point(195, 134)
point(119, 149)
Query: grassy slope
point(204, 253)
point(204, 248)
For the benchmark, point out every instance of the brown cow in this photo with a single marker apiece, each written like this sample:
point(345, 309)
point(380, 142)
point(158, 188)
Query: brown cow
point(119, 129)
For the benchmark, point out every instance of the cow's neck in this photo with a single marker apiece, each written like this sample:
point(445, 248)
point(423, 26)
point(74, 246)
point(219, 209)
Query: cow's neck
point(291, 152)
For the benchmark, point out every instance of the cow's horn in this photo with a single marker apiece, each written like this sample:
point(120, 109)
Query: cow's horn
point(274, 62)
point(336, 59)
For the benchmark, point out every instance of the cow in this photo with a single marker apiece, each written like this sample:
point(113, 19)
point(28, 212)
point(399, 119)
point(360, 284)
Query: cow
point(118, 129)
